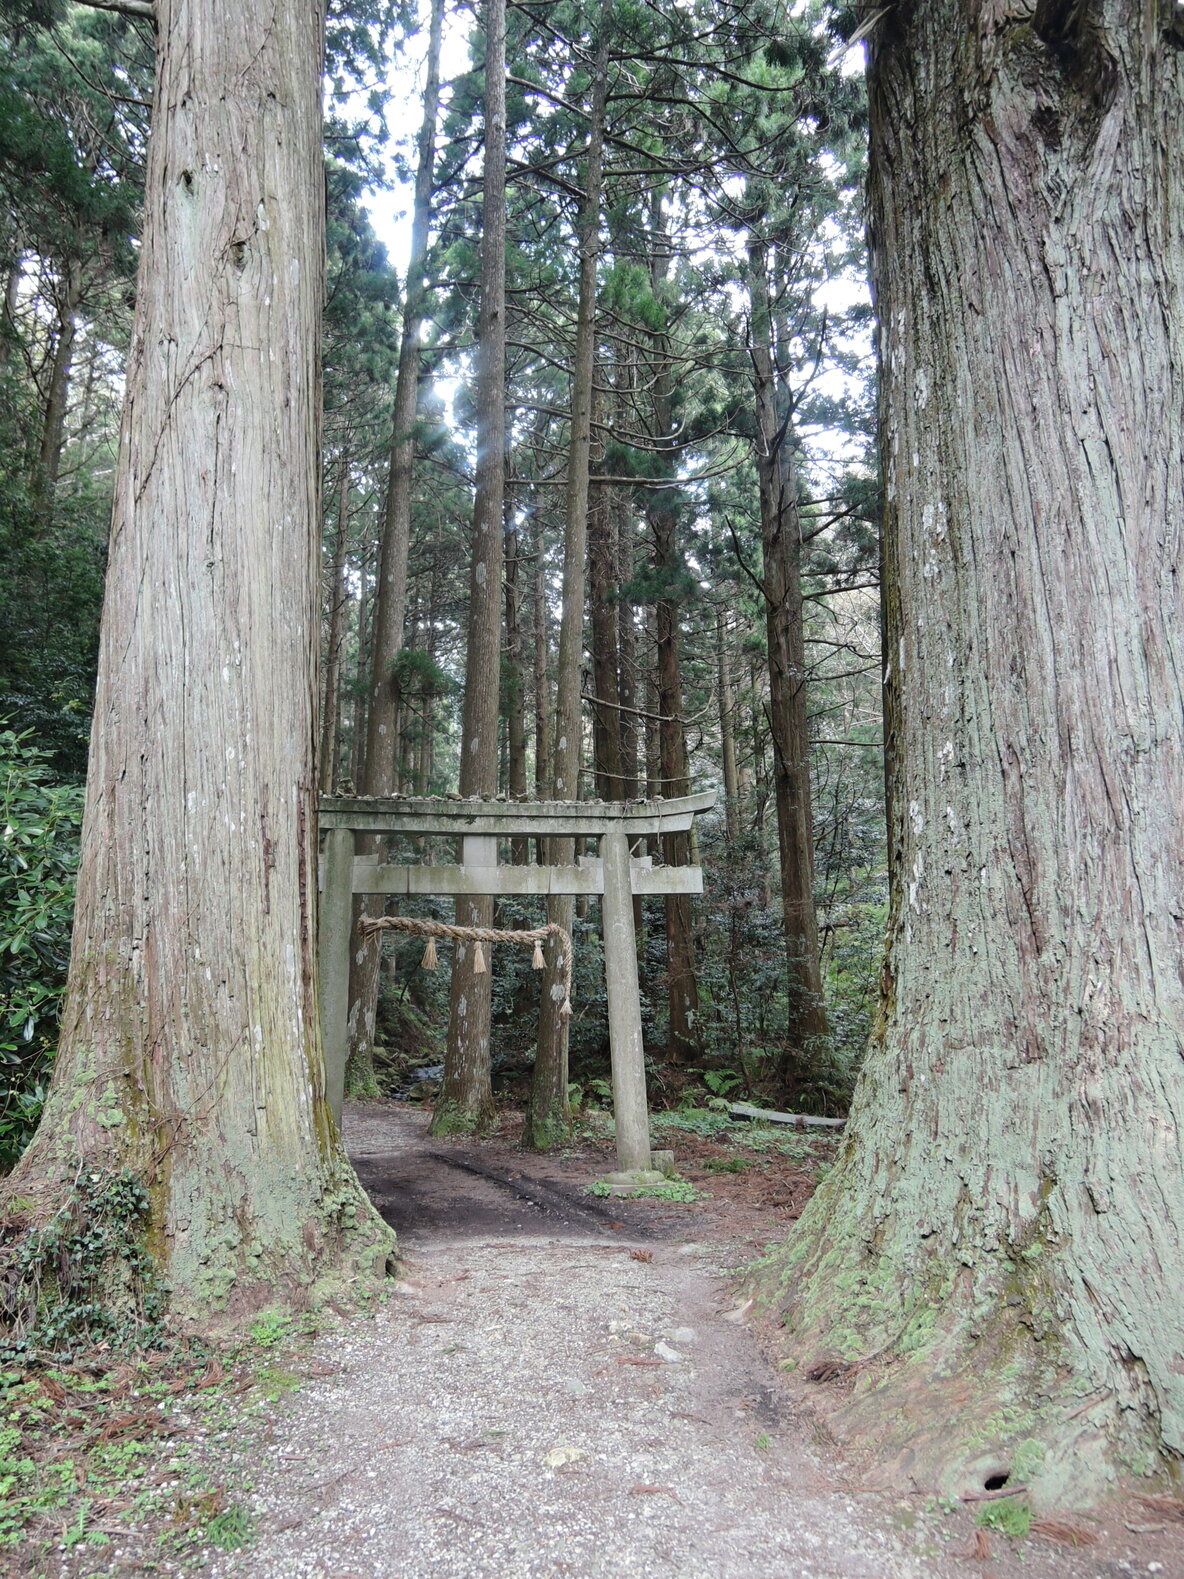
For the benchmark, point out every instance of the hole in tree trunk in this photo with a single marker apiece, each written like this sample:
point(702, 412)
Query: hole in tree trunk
point(997, 1481)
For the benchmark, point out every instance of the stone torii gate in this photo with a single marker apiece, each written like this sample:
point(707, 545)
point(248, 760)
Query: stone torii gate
point(615, 876)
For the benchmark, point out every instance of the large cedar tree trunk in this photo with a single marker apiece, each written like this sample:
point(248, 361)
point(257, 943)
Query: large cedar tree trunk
point(190, 1052)
point(1004, 1231)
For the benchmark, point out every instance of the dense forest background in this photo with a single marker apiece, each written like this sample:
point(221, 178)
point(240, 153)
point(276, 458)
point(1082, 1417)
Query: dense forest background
point(732, 506)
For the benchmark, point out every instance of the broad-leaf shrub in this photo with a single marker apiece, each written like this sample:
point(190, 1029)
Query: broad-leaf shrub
point(40, 819)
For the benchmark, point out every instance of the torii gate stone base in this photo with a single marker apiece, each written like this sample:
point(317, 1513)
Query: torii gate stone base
point(615, 876)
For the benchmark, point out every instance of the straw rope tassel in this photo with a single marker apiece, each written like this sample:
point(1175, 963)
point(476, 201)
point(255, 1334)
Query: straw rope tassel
point(368, 925)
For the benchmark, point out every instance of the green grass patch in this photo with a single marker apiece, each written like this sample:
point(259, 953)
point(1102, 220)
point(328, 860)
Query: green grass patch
point(1009, 1516)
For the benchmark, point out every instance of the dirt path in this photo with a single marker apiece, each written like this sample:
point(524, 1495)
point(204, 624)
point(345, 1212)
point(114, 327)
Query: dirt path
point(557, 1390)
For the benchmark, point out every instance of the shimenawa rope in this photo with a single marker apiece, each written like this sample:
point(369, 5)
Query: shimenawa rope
point(478, 935)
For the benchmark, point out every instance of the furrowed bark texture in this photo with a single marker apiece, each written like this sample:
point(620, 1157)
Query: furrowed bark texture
point(190, 1048)
point(466, 1096)
point(1003, 1229)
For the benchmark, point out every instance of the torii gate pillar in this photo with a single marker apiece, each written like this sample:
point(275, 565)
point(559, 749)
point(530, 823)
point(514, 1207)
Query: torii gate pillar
point(630, 1103)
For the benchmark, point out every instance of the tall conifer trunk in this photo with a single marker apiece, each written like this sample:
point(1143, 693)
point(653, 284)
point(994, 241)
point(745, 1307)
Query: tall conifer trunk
point(1004, 1229)
point(548, 1119)
point(781, 552)
point(53, 430)
point(683, 1039)
point(516, 701)
point(626, 656)
point(606, 713)
point(380, 771)
point(190, 1052)
point(331, 692)
point(541, 688)
point(727, 727)
point(466, 1096)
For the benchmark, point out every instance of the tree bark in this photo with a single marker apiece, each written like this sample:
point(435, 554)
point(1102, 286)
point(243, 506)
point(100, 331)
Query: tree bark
point(682, 1039)
point(53, 427)
point(542, 689)
point(13, 265)
point(807, 1032)
point(515, 680)
point(190, 1051)
point(466, 1095)
point(1003, 1228)
point(548, 1119)
point(727, 727)
point(357, 762)
point(331, 704)
point(379, 774)
point(627, 657)
point(606, 714)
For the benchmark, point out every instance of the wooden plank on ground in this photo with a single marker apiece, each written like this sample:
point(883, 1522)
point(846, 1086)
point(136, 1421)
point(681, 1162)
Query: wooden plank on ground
point(766, 1115)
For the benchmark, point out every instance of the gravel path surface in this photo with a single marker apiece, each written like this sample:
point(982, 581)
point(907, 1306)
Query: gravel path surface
point(511, 1418)
point(546, 1398)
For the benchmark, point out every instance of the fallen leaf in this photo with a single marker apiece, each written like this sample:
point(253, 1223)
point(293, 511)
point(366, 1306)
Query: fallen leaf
point(654, 1491)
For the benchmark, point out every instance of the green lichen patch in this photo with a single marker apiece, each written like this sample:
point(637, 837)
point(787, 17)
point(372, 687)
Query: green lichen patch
point(449, 1118)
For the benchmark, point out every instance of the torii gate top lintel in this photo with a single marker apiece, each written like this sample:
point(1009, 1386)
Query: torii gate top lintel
point(615, 876)
point(508, 818)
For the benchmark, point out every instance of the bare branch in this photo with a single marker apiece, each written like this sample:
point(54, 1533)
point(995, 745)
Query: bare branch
point(143, 9)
